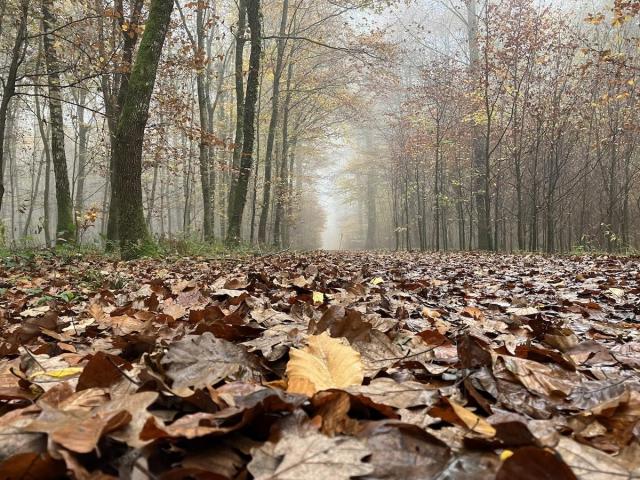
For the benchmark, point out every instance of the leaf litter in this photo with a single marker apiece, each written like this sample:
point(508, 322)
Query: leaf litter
point(321, 365)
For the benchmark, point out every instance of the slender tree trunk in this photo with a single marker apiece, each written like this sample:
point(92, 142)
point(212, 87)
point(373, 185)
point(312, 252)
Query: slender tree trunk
point(256, 166)
point(240, 187)
point(129, 134)
point(34, 195)
point(479, 144)
point(46, 219)
point(240, 103)
point(203, 144)
point(152, 195)
point(281, 191)
point(288, 213)
point(35, 181)
point(437, 187)
point(65, 228)
point(83, 131)
point(273, 123)
point(10, 147)
point(9, 85)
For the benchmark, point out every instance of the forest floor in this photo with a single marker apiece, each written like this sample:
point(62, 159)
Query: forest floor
point(321, 365)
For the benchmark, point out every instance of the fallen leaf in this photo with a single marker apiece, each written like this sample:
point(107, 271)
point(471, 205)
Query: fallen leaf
point(310, 456)
point(472, 421)
point(325, 363)
point(534, 463)
point(199, 361)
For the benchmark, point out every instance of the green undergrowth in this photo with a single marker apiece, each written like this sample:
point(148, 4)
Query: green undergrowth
point(164, 248)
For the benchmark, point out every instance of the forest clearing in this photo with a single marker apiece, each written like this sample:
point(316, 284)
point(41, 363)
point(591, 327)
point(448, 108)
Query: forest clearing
point(321, 365)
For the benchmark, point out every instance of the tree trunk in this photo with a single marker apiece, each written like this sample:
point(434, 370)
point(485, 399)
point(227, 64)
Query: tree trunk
point(129, 135)
point(9, 86)
point(273, 123)
point(152, 195)
point(34, 194)
point(256, 166)
point(114, 88)
point(479, 144)
point(83, 130)
point(239, 188)
point(65, 227)
point(281, 192)
point(288, 214)
point(203, 144)
point(240, 102)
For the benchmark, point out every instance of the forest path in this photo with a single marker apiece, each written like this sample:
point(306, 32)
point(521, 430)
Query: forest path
point(485, 364)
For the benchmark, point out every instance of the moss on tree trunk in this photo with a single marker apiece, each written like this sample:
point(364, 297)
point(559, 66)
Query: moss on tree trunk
point(135, 239)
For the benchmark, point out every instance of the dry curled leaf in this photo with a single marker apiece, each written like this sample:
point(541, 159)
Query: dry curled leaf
point(325, 363)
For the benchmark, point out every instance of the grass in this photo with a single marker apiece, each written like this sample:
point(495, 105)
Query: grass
point(28, 252)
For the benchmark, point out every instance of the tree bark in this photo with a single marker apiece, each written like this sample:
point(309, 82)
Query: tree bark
point(134, 236)
point(114, 88)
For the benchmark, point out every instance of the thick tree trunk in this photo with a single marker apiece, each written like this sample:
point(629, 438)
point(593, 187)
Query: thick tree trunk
point(114, 88)
point(129, 134)
point(273, 123)
point(65, 228)
point(239, 188)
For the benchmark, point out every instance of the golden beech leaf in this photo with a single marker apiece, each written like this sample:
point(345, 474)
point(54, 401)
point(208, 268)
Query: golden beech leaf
point(325, 363)
point(473, 421)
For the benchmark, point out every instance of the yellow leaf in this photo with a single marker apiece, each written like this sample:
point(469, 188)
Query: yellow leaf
point(325, 363)
point(59, 374)
point(318, 297)
point(376, 281)
point(505, 454)
point(473, 421)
